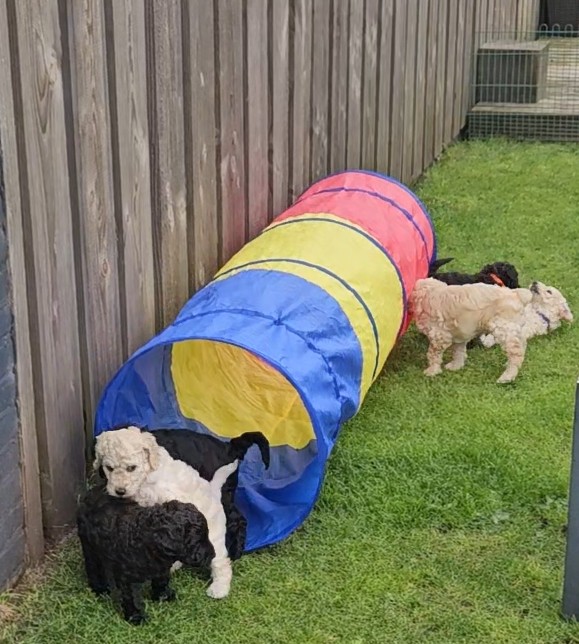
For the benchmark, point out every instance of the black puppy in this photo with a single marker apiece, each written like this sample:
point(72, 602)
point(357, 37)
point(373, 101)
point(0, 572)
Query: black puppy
point(125, 545)
point(500, 273)
point(207, 454)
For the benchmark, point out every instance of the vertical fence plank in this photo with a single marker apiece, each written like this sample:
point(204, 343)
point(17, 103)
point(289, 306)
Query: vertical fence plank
point(432, 53)
point(302, 97)
point(354, 133)
point(256, 145)
point(370, 84)
point(131, 165)
point(420, 89)
point(17, 262)
point(280, 66)
point(101, 347)
point(409, 98)
point(490, 20)
point(468, 64)
point(397, 84)
point(169, 195)
point(48, 239)
point(482, 10)
point(233, 171)
point(339, 98)
point(449, 89)
point(320, 87)
point(459, 65)
point(439, 112)
point(383, 132)
point(203, 229)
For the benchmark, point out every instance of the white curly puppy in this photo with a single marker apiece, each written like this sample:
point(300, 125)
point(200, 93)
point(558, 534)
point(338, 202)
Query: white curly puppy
point(543, 314)
point(451, 316)
point(137, 467)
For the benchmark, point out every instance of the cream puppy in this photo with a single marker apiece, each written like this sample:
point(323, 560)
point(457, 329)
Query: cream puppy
point(451, 316)
point(136, 467)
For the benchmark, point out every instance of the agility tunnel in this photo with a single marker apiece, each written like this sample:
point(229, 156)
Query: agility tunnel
point(287, 339)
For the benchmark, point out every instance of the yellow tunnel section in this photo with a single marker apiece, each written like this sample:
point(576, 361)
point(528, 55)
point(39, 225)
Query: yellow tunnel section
point(350, 267)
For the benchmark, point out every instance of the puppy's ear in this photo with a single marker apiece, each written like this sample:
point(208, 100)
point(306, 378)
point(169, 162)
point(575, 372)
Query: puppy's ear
point(565, 312)
point(98, 457)
point(512, 280)
point(151, 449)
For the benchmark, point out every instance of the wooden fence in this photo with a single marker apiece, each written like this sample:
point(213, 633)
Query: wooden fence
point(145, 141)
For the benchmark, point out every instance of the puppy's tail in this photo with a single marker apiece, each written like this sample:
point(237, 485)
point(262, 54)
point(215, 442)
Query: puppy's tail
point(438, 263)
point(241, 444)
point(221, 475)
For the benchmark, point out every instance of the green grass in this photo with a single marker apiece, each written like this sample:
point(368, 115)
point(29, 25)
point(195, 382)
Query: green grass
point(442, 515)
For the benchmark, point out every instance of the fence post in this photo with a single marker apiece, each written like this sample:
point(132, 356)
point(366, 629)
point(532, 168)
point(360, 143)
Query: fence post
point(570, 608)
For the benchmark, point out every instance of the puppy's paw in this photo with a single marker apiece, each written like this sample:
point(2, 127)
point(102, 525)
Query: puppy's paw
point(488, 340)
point(166, 595)
point(505, 379)
point(218, 590)
point(454, 366)
point(176, 566)
point(136, 619)
point(432, 371)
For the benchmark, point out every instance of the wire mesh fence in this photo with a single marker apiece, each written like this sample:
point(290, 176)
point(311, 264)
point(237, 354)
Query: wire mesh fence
point(526, 85)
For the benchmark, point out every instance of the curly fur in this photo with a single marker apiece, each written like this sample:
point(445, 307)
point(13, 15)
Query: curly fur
point(543, 314)
point(452, 315)
point(207, 454)
point(125, 545)
point(505, 272)
point(138, 468)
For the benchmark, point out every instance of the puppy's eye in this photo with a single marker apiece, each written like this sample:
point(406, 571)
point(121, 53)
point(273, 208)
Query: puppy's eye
point(549, 291)
point(109, 468)
point(131, 468)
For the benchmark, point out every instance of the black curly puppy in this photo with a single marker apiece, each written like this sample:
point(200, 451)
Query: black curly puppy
point(125, 545)
point(500, 273)
point(207, 454)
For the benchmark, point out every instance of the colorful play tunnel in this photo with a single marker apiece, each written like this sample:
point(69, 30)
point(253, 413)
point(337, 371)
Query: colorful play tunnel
point(286, 340)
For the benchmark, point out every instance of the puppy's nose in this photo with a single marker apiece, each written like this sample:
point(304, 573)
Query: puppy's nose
point(120, 491)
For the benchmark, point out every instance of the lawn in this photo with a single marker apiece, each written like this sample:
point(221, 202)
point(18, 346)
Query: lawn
point(442, 515)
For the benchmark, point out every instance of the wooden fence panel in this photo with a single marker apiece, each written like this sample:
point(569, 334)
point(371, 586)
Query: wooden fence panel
point(420, 89)
point(441, 68)
point(101, 344)
point(397, 135)
point(450, 88)
point(354, 140)
point(280, 67)
point(383, 128)
point(131, 166)
point(409, 98)
point(169, 192)
point(256, 146)
point(232, 113)
point(51, 260)
point(468, 66)
point(11, 157)
point(320, 89)
point(432, 53)
point(490, 19)
point(369, 89)
point(204, 218)
point(527, 18)
point(459, 63)
point(300, 167)
point(339, 97)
